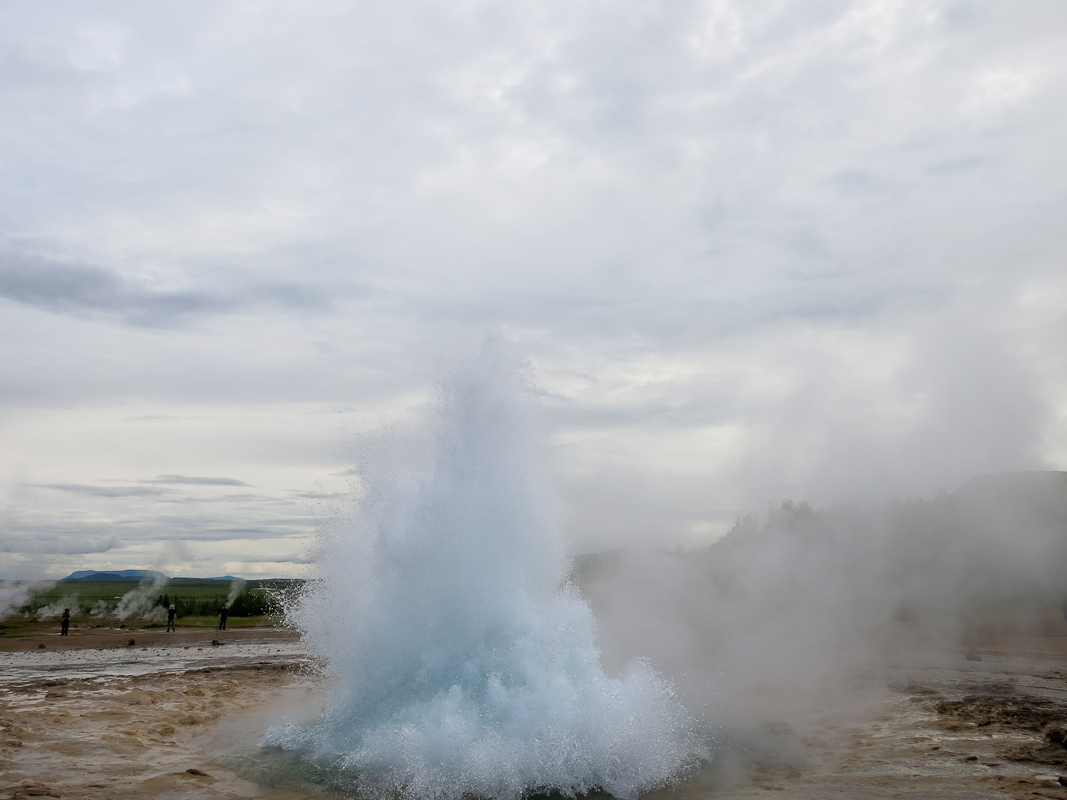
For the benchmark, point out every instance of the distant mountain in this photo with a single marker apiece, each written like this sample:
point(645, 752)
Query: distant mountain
point(116, 575)
point(86, 575)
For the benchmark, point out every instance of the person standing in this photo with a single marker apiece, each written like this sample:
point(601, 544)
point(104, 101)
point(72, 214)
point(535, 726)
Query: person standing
point(223, 613)
point(171, 614)
point(64, 625)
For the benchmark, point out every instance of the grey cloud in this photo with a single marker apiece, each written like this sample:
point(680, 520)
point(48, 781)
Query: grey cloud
point(286, 560)
point(959, 164)
point(40, 543)
point(318, 495)
point(195, 480)
point(91, 290)
point(243, 497)
point(232, 534)
point(828, 221)
point(212, 527)
point(222, 500)
point(72, 534)
point(103, 491)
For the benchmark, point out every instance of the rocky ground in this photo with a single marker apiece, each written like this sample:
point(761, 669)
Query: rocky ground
point(993, 728)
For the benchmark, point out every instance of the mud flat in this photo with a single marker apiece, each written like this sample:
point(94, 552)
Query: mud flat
point(122, 721)
point(182, 718)
point(988, 720)
point(964, 728)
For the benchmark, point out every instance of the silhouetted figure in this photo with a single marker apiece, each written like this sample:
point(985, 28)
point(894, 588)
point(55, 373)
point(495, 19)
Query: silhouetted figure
point(171, 614)
point(223, 613)
point(65, 623)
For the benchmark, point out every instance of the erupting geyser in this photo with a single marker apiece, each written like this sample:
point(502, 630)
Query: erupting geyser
point(460, 661)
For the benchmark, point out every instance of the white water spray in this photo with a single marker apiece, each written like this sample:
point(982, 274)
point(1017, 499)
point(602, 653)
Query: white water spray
point(460, 662)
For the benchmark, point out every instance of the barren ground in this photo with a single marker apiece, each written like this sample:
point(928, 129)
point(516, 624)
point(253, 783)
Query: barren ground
point(173, 716)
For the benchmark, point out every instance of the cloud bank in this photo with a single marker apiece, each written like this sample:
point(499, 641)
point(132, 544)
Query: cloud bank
point(753, 250)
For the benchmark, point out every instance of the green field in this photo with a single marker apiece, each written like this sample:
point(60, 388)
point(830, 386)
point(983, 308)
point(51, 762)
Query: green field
point(256, 604)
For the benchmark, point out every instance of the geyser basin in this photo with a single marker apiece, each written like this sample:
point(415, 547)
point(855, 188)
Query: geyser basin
point(460, 663)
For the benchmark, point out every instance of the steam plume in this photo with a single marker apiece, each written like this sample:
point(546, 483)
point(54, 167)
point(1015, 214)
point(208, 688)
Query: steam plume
point(15, 594)
point(235, 590)
point(139, 602)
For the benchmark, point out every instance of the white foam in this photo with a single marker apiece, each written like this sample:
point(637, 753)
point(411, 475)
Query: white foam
point(460, 663)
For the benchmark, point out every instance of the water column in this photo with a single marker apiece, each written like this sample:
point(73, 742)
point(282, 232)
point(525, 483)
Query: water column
point(459, 660)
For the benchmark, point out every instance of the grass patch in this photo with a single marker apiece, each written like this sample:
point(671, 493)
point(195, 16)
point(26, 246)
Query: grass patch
point(23, 625)
point(192, 598)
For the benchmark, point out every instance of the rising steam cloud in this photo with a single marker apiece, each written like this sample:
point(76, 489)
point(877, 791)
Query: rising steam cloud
point(140, 602)
point(15, 594)
point(781, 613)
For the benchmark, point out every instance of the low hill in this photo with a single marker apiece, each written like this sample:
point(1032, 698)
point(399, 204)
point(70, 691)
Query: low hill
point(117, 575)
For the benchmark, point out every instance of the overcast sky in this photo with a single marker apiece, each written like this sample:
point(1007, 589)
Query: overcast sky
point(753, 250)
